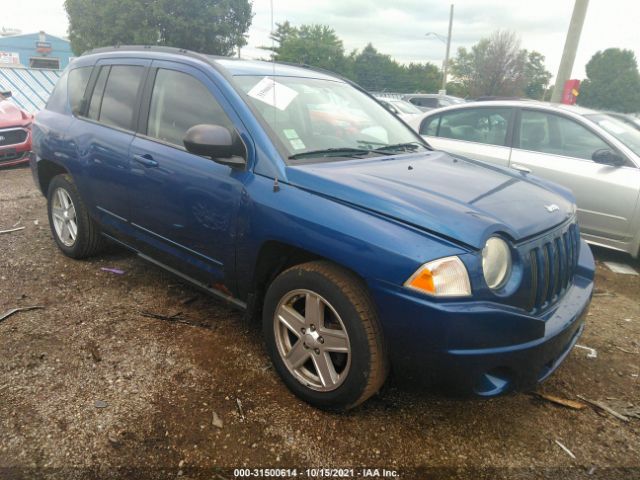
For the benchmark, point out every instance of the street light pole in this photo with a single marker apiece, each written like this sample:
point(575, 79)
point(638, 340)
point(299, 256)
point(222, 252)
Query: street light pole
point(445, 67)
point(570, 48)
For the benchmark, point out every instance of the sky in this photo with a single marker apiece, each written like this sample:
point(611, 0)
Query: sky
point(398, 27)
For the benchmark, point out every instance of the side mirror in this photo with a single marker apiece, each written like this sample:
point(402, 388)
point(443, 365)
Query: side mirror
point(6, 94)
point(214, 141)
point(608, 157)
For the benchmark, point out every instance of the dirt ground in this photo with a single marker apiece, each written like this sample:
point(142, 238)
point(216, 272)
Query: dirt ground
point(92, 388)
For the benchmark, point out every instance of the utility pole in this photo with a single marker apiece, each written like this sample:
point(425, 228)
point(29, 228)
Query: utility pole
point(570, 48)
point(445, 66)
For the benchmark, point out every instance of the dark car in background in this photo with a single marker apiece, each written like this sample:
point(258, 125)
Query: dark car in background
point(15, 132)
point(428, 101)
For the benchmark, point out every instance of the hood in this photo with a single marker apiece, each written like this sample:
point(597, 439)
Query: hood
point(12, 116)
point(462, 199)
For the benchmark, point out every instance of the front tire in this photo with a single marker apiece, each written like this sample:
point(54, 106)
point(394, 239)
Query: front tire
point(323, 335)
point(76, 234)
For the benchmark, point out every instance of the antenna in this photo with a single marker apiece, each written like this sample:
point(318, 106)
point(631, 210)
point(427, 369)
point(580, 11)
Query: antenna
point(273, 64)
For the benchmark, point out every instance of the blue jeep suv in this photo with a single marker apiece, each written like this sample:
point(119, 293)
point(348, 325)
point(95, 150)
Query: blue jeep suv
point(293, 194)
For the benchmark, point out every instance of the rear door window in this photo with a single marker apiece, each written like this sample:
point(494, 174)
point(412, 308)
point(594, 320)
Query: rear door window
point(120, 96)
point(98, 90)
point(480, 125)
point(425, 102)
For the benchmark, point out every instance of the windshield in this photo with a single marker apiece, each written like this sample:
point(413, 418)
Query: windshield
point(405, 107)
point(314, 118)
point(625, 133)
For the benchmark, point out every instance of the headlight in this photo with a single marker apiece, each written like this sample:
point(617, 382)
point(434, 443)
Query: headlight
point(445, 277)
point(496, 262)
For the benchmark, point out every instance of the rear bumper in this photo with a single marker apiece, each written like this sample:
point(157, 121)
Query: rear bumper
point(479, 347)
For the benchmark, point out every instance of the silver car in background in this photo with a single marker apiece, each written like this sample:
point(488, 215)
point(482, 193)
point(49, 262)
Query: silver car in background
point(594, 154)
point(405, 110)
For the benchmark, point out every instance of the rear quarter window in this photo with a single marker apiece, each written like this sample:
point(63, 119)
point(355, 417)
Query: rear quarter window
point(58, 99)
point(77, 84)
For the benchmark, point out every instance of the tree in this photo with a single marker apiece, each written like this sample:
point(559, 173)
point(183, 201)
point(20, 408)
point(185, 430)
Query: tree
point(418, 77)
point(316, 45)
point(320, 46)
point(536, 75)
point(374, 70)
point(496, 66)
point(206, 26)
point(613, 82)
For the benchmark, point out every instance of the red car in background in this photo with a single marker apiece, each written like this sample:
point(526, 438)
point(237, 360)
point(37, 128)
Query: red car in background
point(15, 133)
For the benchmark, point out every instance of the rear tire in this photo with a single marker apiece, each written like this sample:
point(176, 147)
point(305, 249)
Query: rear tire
point(322, 333)
point(76, 234)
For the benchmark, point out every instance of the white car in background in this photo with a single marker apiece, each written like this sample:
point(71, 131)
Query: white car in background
point(403, 109)
point(594, 154)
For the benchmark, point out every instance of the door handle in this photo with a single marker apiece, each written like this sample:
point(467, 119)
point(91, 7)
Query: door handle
point(146, 160)
point(520, 168)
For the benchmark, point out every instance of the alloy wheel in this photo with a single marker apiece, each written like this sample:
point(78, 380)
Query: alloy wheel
point(65, 221)
point(312, 340)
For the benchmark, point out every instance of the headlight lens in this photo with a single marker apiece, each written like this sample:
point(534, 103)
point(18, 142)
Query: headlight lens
point(496, 262)
point(445, 277)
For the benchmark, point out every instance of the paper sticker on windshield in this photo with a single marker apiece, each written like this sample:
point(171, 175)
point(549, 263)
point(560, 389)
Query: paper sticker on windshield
point(297, 144)
point(290, 133)
point(273, 93)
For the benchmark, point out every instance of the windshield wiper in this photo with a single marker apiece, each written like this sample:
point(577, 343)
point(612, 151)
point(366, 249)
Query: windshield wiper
point(332, 152)
point(357, 152)
point(403, 147)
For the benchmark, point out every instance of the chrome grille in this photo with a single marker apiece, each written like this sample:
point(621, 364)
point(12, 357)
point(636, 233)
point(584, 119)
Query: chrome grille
point(12, 137)
point(552, 261)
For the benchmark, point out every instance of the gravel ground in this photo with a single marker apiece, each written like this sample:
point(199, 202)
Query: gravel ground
point(90, 387)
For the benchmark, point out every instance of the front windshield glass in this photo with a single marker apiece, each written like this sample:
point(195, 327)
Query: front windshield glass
point(628, 135)
point(405, 107)
point(314, 118)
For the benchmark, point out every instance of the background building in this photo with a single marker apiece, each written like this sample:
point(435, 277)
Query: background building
point(35, 50)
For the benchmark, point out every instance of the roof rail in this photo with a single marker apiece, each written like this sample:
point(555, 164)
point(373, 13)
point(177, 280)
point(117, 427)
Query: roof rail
point(204, 57)
point(153, 48)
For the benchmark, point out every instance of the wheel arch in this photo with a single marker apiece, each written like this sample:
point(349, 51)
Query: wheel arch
point(273, 258)
point(48, 169)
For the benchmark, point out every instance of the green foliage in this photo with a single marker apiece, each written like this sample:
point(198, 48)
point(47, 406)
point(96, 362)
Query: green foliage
point(319, 46)
point(613, 82)
point(375, 71)
point(316, 45)
point(496, 66)
point(206, 26)
point(536, 75)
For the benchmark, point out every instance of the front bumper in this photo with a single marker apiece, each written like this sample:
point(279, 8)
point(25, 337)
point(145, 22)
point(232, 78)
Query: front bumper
point(16, 153)
point(482, 348)
point(12, 157)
